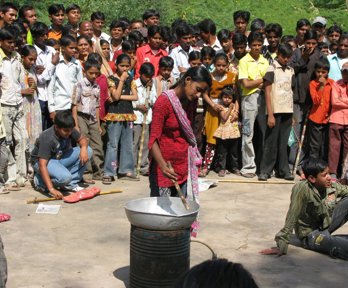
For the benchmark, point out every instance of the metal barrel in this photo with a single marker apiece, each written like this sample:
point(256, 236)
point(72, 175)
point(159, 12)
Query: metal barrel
point(158, 258)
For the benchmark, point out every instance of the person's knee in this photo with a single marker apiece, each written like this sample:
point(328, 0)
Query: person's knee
point(63, 179)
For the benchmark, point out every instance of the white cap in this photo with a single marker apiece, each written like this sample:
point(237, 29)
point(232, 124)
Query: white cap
point(319, 20)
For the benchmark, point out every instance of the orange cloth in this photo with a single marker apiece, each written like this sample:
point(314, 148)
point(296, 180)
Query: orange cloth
point(321, 98)
point(212, 117)
point(54, 34)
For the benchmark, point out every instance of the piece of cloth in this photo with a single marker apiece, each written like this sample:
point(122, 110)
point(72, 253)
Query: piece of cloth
point(251, 69)
point(339, 103)
point(180, 57)
point(317, 140)
point(85, 97)
point(45, 115)
point(84, 194)
point(336, 64)
point(52, 34)
point(145, 54)
point(12, 75)
point(229, 129)
point(338, 143)
point(227, 149)
point(162, 84)
point(65, 172)
point(137, 131)
point(321, 99)
point(4, 217)
point(211, 116)
point(216, 45)
point(120, 140)
point(62, 84)
point(208, 156)
point(143, 97)
point(90, 129)
point(4, 157)
point(102, 82)
point(309, 210)
point(50, 146)
point(44, 58)
point(275, 154)
point(3, 266)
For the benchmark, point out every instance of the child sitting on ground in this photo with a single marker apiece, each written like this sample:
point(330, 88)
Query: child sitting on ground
point(228, 132)
point(85, 109)
point(56, 164)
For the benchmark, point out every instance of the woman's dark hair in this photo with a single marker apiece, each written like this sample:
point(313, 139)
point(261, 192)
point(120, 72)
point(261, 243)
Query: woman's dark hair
point(257, 24)
point(91, 63)
point(89, 41)
point(224, 35)
point(147, 69)
point(52, 42)
point(334, 28)
point(285, 50)
point(67, 40)
point(245, 15)
point(313, 166)
point(311, 34)
point(194, 55)
point(255, 37)
point(166, 62)
point(27, 50)
point(55, 8)
point(322, 63)
point(103, 41)
point(221, 56)
point(64, 119)
point(122, 57)
point(95, 57)
point(217, 274)
point(152, 30)
point(239, 38)
point(274, 28)
point(197, 74)
point(38, 29)
point(302, 22)
point(207, 51)
point(128, 45)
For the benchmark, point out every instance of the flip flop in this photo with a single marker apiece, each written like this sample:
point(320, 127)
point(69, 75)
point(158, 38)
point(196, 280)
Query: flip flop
point(4, 217)
point(82, 195)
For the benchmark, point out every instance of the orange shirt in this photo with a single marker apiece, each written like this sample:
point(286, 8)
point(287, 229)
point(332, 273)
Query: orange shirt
point(321, 98)
point(54, 34)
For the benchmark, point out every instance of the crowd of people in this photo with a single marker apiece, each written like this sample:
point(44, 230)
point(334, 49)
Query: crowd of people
point(245, 96)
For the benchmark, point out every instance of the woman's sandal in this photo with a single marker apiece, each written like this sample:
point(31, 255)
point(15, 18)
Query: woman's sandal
point(107, 180)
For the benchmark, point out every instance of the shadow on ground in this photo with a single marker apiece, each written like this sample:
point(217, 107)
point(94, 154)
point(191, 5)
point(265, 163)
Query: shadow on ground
point(123, 275)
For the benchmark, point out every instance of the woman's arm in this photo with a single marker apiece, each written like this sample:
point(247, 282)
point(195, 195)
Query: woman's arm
point(133, 96)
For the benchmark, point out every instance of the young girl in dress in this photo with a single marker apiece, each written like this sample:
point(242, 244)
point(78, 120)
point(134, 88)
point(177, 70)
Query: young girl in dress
point(119, 122)
point(228, 132)
point(221, 78)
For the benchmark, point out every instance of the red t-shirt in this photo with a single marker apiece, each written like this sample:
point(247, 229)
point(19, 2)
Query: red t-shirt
point(173, 145)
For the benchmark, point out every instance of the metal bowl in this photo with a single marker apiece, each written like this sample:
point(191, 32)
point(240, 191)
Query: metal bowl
point(161, 213)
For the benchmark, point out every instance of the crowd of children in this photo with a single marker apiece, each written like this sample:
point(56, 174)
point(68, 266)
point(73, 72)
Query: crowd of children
point(266, 88)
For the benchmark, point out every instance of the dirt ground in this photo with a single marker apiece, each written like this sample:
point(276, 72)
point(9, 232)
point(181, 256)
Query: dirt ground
point(87, 244)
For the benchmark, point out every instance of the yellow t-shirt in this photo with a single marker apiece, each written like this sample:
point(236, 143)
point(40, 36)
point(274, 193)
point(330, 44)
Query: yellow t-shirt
point(251, 69)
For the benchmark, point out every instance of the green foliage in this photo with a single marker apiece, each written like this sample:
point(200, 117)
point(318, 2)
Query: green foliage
point(281, 11)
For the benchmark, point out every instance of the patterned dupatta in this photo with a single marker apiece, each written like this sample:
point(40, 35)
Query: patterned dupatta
point(194, 157)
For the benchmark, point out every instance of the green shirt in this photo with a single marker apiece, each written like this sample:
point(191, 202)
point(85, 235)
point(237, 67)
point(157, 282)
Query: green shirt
point(309, 210)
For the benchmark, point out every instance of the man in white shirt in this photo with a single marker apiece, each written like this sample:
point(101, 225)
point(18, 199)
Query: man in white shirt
point(208, 34)
point(181, 52)
point(45, 66)
point(98, 22)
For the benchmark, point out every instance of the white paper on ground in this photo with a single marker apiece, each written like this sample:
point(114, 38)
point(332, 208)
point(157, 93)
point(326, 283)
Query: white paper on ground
point(47, 209)
point(205, 184)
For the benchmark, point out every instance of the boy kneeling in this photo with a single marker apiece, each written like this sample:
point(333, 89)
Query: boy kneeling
point(56, 163)
point(318, 208)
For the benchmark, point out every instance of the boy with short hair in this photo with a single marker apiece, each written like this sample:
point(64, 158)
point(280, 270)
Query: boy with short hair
point(320, 90)
point(56, 164)
point(241, 20)
point(12, 75)
point(73, 15)
point(146, 99)
point(164, 80)
point(98, 21)
point(252, 69)
point(279, 80)
point(318, 208)
point(85, 109)
point(117, 30)
point(56, 13)
point(151, 17)
point(8, 14)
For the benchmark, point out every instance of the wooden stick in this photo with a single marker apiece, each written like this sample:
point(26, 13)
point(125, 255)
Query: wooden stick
point(38, 200)
point(251, 181)
point(178, 189)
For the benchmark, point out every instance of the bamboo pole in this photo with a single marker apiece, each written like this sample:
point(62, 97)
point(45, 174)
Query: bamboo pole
point(251, 181)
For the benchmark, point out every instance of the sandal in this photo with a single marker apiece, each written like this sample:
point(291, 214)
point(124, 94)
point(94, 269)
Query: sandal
point(88, 181)
point(107, 180)
point(222, 173)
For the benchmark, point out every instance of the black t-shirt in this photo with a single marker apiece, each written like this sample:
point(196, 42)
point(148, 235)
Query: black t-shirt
point(50, 146)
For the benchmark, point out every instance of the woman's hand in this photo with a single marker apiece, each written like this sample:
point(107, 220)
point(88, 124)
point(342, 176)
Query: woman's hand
point(55, 193)
point(217, 108)
point(169, 172)
point(124, 76)
point(270, 121)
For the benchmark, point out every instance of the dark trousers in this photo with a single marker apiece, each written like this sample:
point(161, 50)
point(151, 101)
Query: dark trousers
point(227, 148)
point(198, 130)
point(317, 140)
point(260, 132)
point(324, 242)
point(46, 120)
point(338, 141)
point(276, 142)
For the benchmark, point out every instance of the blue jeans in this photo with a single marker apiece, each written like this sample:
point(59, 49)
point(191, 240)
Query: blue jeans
point(65, 172)
point(119, 133)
